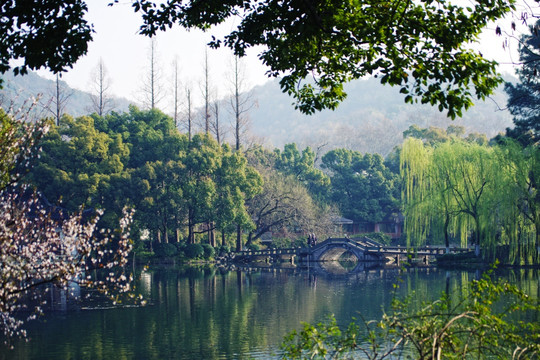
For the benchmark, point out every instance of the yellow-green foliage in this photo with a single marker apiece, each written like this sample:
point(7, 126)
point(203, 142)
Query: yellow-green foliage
point(483, 195)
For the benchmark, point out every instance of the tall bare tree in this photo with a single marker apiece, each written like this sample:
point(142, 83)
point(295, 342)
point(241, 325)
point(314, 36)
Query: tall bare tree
point(215, 126)
point(58, 98)
point(152, 88)
point(241, 101)
point(189, 112)
point(206, 93)
point(176, 92)
point(100, 82)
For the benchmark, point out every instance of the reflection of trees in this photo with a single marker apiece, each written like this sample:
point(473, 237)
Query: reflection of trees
point(210, 314)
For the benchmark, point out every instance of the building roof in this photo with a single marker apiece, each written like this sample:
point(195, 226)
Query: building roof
point(338, 220)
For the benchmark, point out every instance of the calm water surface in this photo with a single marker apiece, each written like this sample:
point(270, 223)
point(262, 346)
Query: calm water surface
point(211, 313)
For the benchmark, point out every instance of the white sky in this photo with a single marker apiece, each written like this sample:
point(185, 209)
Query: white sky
point(125, 54)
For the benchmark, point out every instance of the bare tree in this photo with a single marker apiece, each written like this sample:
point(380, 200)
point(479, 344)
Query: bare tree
point(241, 101)
point(215, 126)
point(100, 83)
point(206, 93)
point(152, 89)
point(176, 93)
point(189, 111)
point(58, 99)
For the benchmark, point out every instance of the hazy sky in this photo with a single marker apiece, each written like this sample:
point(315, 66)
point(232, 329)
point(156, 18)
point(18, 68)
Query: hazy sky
point(125, 54)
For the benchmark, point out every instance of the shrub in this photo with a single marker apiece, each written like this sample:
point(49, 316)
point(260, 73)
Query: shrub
point(224, 249)
point(300, 242)
point(280, 243)
point(472, 327)
point(165, 250)
point(181, 246)
point(194, 251)
point(379, 237)
point(208, 251)
point(253, 247)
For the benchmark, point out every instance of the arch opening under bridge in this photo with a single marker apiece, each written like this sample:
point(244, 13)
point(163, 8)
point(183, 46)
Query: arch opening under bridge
point(332, 249)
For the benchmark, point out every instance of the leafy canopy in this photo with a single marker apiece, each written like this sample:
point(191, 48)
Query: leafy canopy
point(314, 46)
point(317, 46)
point(362, 187)
point(49, 33)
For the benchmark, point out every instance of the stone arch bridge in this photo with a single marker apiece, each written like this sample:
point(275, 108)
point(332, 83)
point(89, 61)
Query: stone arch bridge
point(331, 249)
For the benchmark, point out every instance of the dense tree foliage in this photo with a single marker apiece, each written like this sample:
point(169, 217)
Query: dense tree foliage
point(178, 187)
point(298, 193)
point(362, 187)
point(302, 167)
point(434, 135)
point(183, 189)
point(81, 166)
point(487, 196)
point(524, 97)
point(51, 34)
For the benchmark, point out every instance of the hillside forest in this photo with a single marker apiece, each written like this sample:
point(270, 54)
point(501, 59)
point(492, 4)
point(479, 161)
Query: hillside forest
point(195, 193)
point(195, 196)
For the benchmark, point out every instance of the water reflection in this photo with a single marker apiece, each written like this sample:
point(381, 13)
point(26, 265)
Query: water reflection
point(229, 313)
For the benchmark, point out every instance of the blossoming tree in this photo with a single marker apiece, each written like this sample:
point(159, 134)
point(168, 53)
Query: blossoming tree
point(44, 245)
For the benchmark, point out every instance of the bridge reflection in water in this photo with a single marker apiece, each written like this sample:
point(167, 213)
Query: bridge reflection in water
point(326, 269)
point(331, 250)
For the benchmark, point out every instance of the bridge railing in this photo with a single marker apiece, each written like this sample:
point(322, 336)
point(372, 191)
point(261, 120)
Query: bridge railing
point(424, 250)
point(366, 244)
point(267, 252)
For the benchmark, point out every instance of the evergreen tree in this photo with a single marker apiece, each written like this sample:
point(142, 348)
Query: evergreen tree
point(524, 97)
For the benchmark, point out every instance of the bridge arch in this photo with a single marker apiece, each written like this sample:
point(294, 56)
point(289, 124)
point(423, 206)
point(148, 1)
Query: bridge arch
point(333, 249)
point(334, 268)
point(334, 253)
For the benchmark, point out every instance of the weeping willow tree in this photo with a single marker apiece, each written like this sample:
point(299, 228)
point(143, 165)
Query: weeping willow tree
point(485, 196)
point(415, 165)
point(430, 204)
point(521, 223)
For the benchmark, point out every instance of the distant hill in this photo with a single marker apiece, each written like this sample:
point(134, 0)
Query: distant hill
point(18, 89)
point(371, 119)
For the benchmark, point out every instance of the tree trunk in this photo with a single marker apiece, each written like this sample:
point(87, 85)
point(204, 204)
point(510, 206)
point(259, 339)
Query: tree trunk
point(57, 100)
point(176, 230)
point(446, 237)
point(211, 234)
point(190, 234)
point(206, 95)
point(537, 225)
point(477, 237)
point(250, 238)
point(238, 238)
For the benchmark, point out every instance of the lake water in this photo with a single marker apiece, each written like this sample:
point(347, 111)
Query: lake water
point(212, 313)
